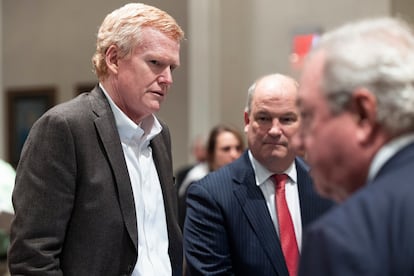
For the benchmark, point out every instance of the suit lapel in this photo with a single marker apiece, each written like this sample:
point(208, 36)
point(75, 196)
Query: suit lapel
point(254, 207)
point(305, 193)
point(161, 160)
point(107, 131)
point(161, 152)
point(311, 204)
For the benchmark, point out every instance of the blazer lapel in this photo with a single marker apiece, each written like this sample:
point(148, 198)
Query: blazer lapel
point(106, 128)
point(311, 205)
point(161, 152)
point(305, 193)
point(161, 160)
point(254, 207)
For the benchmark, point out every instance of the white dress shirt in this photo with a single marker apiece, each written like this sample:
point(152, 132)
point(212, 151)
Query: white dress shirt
point(153, 258)
point(267, 186)
point(8, 176)
point(196, 173)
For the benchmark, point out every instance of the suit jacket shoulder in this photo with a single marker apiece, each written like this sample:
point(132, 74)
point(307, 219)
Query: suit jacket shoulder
point(368, 234)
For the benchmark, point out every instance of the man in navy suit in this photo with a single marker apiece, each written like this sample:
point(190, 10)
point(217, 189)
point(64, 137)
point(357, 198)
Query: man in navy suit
point(231, 226)
point(357, 102)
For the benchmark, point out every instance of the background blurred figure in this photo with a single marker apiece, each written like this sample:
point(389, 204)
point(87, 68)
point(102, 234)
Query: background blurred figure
point(7, 178)
point(224, 145)
point(233, 224)
point(94, 191)
point(357, 101)
point(198, 152)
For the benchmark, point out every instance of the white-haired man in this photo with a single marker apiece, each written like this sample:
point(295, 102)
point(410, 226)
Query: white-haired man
point(357, 105)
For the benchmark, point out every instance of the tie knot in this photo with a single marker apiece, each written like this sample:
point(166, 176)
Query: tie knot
point(280, 180)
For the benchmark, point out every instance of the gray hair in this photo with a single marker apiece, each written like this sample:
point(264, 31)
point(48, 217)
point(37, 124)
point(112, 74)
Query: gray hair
point(122, 28)
point(250, 92)
point(376, 54)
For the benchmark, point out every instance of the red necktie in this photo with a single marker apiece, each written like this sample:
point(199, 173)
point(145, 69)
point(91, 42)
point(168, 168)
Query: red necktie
point(286, 230)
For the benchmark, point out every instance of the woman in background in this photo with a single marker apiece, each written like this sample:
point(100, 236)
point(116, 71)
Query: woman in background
point(224, 145)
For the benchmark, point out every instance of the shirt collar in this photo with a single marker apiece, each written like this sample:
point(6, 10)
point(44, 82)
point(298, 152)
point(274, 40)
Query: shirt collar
point(262, 174)
point(129, 131)
point(388, 151)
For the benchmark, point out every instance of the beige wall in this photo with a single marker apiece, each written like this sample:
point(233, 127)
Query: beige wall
point(50, 43)
point(404, 9)
point(234, 42)
point(229, 44)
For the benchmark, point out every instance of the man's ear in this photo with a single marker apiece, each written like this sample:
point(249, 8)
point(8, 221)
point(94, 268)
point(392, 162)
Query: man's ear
point(112, 58)
point(246, 121)
point(364, 108)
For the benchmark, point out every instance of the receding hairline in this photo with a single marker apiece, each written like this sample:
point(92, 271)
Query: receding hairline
point(276, 78)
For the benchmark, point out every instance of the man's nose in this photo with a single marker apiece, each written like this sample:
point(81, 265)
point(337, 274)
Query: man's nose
point(275, 128)
point(166, 76)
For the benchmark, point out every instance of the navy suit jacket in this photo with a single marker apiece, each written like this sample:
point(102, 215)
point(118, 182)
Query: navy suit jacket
point(371, 233)
point(228, 228)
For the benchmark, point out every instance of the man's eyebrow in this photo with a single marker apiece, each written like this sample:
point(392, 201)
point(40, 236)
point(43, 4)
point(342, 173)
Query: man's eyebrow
point(290, 113)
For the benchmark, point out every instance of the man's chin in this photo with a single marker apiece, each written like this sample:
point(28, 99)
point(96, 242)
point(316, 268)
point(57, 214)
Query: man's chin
point(279, 152)
point(155, 106)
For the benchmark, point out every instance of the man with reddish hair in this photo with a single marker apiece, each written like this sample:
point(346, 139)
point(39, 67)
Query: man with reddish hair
point(94, 191)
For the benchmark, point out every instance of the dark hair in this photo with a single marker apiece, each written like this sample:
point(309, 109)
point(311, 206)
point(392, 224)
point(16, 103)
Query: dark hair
point(212, 141)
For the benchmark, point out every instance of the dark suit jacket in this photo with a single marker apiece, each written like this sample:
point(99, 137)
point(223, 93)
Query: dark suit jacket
point(228, 228)
point(371, 233)
point(75, 212)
